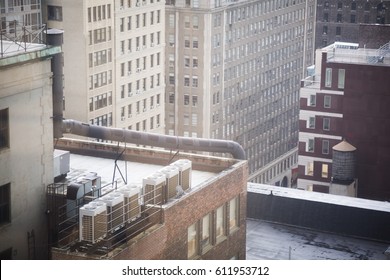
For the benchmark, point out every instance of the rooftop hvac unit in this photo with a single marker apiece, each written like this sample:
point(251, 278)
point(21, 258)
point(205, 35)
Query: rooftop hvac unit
point(185, 170)
point(172, 177)
point(132, 202)
point(154, 189)
point(93, 221)
point(115, 214)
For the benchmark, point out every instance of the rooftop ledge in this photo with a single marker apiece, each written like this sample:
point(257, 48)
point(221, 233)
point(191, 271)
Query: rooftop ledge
point(16, 54)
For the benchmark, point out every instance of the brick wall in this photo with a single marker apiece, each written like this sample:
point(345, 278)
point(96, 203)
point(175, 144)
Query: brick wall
point(169, 241)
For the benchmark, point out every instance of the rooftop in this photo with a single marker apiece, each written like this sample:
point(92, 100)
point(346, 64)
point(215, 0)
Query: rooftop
point(350, 53)
point(271, 241)
point(320, 197)
point(135, 171)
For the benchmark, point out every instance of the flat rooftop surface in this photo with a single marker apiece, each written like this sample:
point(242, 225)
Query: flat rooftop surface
point(107, 170)
point(271, 241)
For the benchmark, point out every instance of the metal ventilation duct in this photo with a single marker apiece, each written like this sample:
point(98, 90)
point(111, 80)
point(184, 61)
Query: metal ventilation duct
point(153, 139)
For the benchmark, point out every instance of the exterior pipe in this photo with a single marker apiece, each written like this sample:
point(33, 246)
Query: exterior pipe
point(153, 139)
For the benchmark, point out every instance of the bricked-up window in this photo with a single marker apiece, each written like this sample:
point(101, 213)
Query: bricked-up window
point(192, 241)
point(220, 217)
point(5, 207)
point(233, 214)
point(206, 231)
point(4, 129)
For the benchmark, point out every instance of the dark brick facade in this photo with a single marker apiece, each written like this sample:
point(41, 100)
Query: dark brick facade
point(339, 20)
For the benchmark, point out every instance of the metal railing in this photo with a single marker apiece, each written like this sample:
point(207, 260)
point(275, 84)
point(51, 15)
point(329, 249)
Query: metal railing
point(16, 37)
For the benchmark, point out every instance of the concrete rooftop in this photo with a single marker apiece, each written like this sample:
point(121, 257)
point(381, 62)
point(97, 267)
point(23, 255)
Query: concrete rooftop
point(271, 241)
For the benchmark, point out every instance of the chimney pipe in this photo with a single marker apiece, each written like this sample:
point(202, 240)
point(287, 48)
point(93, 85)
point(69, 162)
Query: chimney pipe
point(54, 37)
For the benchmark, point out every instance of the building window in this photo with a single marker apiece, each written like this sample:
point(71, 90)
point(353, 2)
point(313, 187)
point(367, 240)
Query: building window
point(326, 124)
point(206, 231)
point(195, 22)
point(195, 42)
point(310, 145)
point(5, 204)
point(186, 99)
point(339, 17)
point(325, 147)
point(186, 81)
point(353, 18)
point(54, 13)
point(338, 30)
point(312, 122)
point(4, 129)
point(327, 101)
point(312, 101)
point(220, 217)
point(233, 214)
point(325, 30)
point(324, 171)
point(341, 78)
point(191, 241)
point(171, 21)
point(194, 100)
point(353, 6)
point(328, 77)
point(310, 169)
point(339, 5)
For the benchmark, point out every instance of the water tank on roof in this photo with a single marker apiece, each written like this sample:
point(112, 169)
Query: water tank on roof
point(344, 162)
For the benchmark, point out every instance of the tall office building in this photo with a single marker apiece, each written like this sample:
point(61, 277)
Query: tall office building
point(113, 61)
point(233, 72)
point(21, 19)
point(340, 20)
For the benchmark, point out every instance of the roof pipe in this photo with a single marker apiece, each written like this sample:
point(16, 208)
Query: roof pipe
point(153, 139)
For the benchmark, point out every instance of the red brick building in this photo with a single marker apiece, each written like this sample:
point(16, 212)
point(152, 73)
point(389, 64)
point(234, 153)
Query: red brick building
point(207, 221)
point(348, 98)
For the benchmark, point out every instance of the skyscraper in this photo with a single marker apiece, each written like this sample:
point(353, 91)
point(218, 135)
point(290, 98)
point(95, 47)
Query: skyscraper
point(113, 61)
point(233, 70)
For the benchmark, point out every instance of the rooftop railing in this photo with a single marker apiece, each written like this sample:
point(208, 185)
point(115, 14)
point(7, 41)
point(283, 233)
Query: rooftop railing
point(16, 37)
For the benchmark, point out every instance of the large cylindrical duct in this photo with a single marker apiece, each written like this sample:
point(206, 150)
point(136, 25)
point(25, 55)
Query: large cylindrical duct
point(153, 139)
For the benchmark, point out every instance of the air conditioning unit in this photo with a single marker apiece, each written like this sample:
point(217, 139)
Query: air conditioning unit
point(151, 107)
point(93, 221)
point(185, 170)
point(138, 48)
point(123, 118)
point(154, 189)
point(115, 215)
point(129, 73)
point(132, 201)
point(144, 46)
point(139, 70)
point(130, 94)
point(152, 45)
point(138, 91)
point(138, 4)
point(144, 109)
point(172, 177)
point(130, 115)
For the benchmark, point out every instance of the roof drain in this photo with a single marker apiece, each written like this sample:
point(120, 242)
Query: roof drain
point(153, 139)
